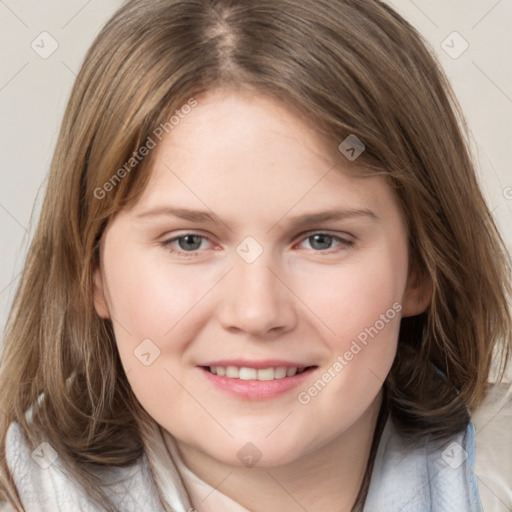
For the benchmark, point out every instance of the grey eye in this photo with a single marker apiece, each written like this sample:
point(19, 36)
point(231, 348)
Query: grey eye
point(189, 242)
point(320, 241)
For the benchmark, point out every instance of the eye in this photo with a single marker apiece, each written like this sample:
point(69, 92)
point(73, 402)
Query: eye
point(186, 245)
point(190, 244)
point(324, 241)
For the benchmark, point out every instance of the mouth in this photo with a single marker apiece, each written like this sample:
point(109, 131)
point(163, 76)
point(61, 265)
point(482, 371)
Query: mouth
point(261, 374)
point(256, 380)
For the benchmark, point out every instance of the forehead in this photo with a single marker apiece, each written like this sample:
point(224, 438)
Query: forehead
point(245, 125)
point(245, 154)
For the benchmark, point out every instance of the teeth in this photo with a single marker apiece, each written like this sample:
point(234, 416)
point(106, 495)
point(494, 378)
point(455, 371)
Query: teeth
point(232, 372)
point(248, 373)
point(266, 374)
point(245, 373)
point(280, 372)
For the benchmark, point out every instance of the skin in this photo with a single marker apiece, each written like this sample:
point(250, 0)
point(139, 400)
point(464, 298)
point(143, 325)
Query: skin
point(255, 165)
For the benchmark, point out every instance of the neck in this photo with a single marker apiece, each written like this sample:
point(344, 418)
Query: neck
point(327, 480)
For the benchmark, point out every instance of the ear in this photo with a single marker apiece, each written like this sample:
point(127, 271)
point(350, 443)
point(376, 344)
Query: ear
point(100, 302)
point(417, 294)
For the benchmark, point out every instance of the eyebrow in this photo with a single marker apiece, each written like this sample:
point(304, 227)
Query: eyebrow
point(209, 217)
point(330, 215)
point(182, 213)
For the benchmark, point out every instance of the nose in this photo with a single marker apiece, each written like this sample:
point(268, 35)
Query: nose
point(256, 300)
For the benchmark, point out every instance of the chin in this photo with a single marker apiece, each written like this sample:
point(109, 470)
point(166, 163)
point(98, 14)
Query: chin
point(256, 451)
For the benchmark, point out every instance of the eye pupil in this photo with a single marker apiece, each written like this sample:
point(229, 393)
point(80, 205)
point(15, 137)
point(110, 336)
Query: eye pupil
point(321, 241)
point(189, 242)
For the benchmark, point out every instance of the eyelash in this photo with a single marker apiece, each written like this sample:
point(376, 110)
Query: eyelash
point(191, 254)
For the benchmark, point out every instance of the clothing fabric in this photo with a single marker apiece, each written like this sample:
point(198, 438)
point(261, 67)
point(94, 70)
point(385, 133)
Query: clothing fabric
point(437, 478)
point(427, 477)
point(441, 478)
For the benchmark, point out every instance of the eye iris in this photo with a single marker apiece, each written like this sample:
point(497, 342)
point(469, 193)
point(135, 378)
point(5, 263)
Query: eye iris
point(189, 242)
point(320, 241)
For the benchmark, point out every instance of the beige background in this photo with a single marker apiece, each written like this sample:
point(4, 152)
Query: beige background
point(33, 93)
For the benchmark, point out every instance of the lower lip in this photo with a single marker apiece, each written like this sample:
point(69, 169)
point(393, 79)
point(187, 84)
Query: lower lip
point(257, 389)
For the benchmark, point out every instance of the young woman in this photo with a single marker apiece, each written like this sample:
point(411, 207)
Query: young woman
point(264, 276)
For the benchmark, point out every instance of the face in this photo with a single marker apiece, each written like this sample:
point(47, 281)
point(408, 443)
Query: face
point(256, 288)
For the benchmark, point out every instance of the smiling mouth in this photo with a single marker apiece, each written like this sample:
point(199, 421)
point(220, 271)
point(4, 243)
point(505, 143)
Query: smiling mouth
point(261, 374)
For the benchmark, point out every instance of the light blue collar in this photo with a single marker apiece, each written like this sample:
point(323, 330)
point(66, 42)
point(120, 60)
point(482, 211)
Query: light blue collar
point(427, 477)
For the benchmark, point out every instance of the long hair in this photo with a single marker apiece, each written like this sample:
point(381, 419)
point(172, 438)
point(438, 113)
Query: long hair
point(349, 67)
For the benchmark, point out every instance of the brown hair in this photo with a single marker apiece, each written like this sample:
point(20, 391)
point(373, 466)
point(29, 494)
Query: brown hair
point(349, 66)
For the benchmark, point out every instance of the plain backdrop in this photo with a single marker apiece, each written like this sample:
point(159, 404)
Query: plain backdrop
point(471, 38)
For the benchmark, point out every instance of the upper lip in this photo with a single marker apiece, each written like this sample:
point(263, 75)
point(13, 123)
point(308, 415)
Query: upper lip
point(266, 363)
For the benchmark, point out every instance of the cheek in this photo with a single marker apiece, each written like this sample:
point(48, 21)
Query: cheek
point(353, 298)
point(153, 305)
point(151, 300)
point(149, 297)
point(365, 317)
point(360, 304)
